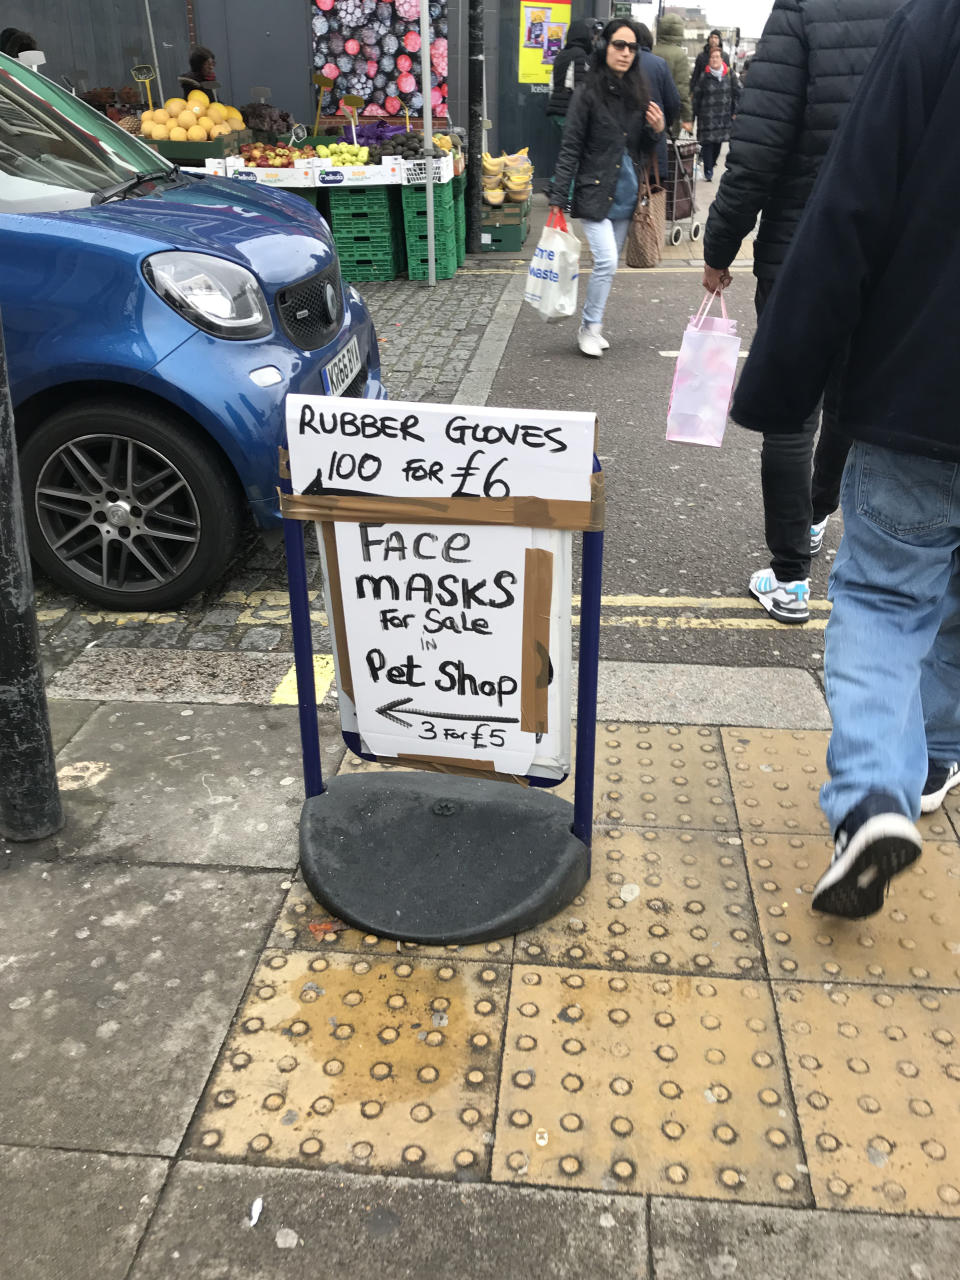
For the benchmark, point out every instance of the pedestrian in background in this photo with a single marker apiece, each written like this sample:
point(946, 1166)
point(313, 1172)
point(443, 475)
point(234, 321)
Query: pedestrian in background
point(671, 49)
point(875, 268)
point(716, 96)
point(803, 77)
point(612, 126)
point(569, 70)
point(663, 92)
point(714, 41)
point(202, 73)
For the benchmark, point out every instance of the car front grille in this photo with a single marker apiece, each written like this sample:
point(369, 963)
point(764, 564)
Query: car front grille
point(357, 387)
point(311, 311)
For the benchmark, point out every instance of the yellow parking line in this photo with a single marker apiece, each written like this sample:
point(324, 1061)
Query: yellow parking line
point(645, 621)
point(285, 694)
point(691, 602)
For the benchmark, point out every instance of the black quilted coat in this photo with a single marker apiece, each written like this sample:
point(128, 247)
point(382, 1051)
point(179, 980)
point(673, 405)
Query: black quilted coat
point(802, 79)
point(715, 104)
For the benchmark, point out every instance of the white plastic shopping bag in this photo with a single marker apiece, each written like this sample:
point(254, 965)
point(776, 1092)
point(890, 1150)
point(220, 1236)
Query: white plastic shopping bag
point(704, 378)
point(552, 278)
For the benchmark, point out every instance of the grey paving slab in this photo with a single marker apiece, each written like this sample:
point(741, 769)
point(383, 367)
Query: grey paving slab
point(314, 1224)
point(695, 1240)
point(157, 675)
point(117, 988)
point(76, 1214)
point(198, 784)
point(678, 693)
point(66, 717)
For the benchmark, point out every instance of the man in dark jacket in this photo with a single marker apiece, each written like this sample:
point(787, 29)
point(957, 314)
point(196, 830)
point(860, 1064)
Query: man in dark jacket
point(875, 267)
point(714, 41)
point(662, 91)
point(569, 70)
point(802, 79)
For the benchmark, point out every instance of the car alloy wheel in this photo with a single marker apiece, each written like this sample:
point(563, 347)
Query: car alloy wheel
point(117, 512)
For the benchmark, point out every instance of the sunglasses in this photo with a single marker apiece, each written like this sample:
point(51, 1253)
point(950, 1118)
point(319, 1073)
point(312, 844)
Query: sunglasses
point(624, 45)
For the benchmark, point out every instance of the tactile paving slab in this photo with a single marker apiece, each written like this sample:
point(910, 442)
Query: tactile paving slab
point(662, 776)
point(776, 776)
point(667, 901)
point(632, 1082)
point(368, 1064)
point(876, 1076)
point(913, 942)
point(304, 925)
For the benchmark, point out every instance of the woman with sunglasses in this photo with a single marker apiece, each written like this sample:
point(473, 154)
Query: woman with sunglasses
point(612, 126)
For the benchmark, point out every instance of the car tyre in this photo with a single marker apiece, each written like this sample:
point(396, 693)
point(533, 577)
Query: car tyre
point(126, 506)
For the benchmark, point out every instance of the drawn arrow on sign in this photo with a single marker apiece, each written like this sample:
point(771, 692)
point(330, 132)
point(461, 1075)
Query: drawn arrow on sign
point(388, 709)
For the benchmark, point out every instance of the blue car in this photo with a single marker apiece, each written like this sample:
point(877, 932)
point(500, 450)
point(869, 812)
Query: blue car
point(154, 322)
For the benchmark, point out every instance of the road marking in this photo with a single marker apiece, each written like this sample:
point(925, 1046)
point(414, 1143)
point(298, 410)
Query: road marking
point(691, 602)
point(647, 622)
point(285, 694)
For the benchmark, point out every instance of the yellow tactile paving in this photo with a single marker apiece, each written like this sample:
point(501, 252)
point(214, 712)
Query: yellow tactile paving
point(640, 1083)
point(304, 925)
point(777, 775)
point(662, 776)
point(364, 1063)
point(913, 941)
point(667, 901)
point(876, 1076)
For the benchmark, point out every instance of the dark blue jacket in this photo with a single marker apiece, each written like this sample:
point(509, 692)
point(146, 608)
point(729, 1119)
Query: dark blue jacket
point(663, 91)
point(876, 258)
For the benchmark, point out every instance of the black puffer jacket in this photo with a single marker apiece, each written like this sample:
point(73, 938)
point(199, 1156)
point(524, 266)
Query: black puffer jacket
point(571, 65)
point(600, 127)
point(802, 79)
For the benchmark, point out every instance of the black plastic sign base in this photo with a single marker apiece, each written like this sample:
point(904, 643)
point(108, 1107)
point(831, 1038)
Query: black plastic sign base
point(439, 859)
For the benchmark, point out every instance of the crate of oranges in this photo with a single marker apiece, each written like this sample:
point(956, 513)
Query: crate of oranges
point(193, 128)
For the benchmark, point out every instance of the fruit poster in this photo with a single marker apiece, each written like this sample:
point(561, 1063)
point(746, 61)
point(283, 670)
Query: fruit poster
point(371, 48)
point(543, 32)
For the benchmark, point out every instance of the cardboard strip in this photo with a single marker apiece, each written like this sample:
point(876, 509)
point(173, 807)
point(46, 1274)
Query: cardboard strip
point(336, 609)
point(483, 769)
point(535, 659)
point(283, 465)
point(528, 513)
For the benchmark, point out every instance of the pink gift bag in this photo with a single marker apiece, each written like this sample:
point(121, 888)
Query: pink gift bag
point(704, 378)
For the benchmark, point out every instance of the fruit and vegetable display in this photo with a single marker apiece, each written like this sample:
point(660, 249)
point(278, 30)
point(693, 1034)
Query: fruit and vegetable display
point(191, 119)
point(266, 118)
point(276, 155)
point(371, 48)
point(507, 178)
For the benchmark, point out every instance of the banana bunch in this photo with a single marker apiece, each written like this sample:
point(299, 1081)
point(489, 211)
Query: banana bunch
point(443, 142)
point(507, 177)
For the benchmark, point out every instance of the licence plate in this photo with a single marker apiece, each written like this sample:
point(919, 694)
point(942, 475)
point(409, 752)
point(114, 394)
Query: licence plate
point(342, 369)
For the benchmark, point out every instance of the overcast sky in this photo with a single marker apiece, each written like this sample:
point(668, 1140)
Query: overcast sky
point(748, 15)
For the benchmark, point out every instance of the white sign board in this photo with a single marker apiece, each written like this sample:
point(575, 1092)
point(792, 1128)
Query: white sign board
point(452, 639)
point(401, 450)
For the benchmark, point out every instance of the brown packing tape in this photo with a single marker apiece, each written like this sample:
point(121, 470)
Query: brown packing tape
point(483, 769)
point(284, 463)
point(528, 513)
point(535, 656)
point(336, 609)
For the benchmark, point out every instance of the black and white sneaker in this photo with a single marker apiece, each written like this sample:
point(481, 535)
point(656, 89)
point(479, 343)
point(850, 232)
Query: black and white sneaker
point(941, 778)
point(874, 843)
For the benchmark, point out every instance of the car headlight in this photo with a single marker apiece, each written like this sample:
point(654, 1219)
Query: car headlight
point(217, 296)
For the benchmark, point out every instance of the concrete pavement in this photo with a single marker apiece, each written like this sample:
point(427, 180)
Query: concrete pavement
point(685, 1074)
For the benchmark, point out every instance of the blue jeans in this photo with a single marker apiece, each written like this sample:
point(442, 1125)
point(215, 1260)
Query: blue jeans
point(893, 639)
point(606, 240)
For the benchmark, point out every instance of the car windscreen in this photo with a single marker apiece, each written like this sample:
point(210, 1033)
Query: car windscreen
point(55, 150)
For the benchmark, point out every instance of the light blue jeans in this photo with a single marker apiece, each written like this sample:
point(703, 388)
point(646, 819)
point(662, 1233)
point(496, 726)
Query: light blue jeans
point(606, 240)
point(892, 651)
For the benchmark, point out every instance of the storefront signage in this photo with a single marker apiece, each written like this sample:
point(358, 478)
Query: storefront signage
point(543, 32)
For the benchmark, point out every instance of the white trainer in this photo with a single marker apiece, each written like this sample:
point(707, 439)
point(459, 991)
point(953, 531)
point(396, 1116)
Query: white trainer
point(590, 343)
point(786, 601)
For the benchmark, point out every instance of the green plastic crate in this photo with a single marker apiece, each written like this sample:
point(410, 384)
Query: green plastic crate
point(446, 266)
point(415, 198)
point(504, 238)
point(373, 268)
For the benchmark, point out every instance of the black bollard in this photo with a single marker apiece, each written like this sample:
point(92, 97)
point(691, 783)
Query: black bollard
point(29, 797)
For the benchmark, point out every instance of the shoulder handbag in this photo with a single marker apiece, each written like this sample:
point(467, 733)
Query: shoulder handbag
point(649, 222)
